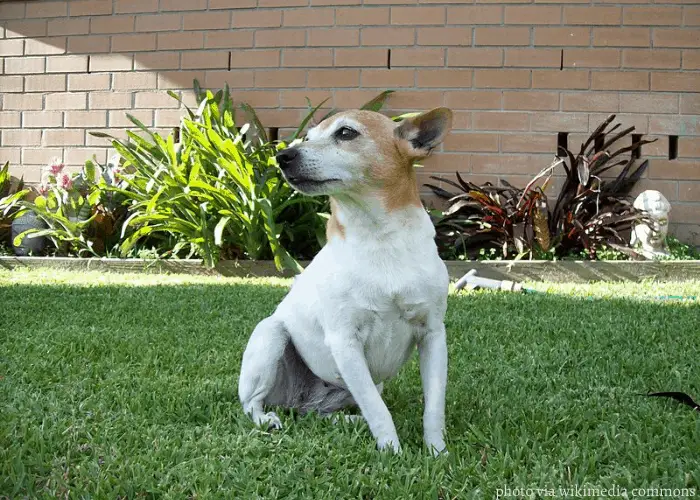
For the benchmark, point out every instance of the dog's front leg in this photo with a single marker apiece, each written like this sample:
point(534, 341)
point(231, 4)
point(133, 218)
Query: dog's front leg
point(351, 363)
point(433, 370)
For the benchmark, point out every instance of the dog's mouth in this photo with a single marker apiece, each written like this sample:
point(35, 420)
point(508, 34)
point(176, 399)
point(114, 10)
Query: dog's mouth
point(306, 184)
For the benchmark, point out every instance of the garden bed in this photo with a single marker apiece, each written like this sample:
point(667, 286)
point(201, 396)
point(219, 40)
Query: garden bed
point(531, 270)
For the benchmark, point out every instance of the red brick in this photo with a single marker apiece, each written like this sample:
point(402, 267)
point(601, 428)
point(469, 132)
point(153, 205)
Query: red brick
point(45, 83)
point(501, 121)
point(156, 60)
point(361, 16)
point(678, 82)
point(345, 99)
point(144, 100)
point(333, 37)
point(39, 157)
point(206, 21)
point(330, 78)
point(239, 79)
point(88, 44)
point(280, 117)
point(502, 36)
point(688, 191)
point(591, 58)
point(12, 83)
point(532, 101)
point(388, 36)
point(417, 56)
point(475, 14)
point(689, 147)
point(280, 38)
point(529, 143)
point(620, 80)
point(66, 64)
point(159, 22)
point(112, 24)
point(188, 40)
point(111, 62)
point(651, 58)
point(445, 36)
point(96, 81)
point(259, 98)
point(64, 101)
point(219, 60)
point(691, 59)
point(559, 122)
point(133, 81)
point(360, 57)
point(307, 58)
point(418, 99)
point(133, 43)
point(388, 78)
point(11, 119)
point(417, 15)
point(89, 8)
point(26, 29)
point(79, 26)
point(170, 5)
point(257, 19)
point(77, 156)
point(134, 6)
point(533, 58)
point(227, 4)
point(651, 16)
point(674, 125)
point(45, 46)
point(110, 100)
point(24, 65)
point(11, 48)
point(509, 164)
point(308, 17)
point(297, 98)
point(592, 15)
point(674, 37)
point(86, 119)
point(119, 119)
point(19, 137)
point(335, 2)
point(560, 79)
point(474, 57)
point(473, 99)
point(229, 39)
point(505, 79)
point(532, 14)
point(263, 58)
point(674, 169)
point(621, 37)
point(444, 78)
point(168, 117)
point(14, 157)
point(47, 9)
point(690, 104)
point(22, 102)
point(585, 101)
point(649, 103)
point(471, 142)
point(563, 37)
point(287, 78)
point(12, 10)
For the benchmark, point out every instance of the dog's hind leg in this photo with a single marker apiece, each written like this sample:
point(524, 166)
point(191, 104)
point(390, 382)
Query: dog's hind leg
point(259, 370)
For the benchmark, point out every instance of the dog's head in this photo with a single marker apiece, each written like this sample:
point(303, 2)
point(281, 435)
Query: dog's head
point(358, 150)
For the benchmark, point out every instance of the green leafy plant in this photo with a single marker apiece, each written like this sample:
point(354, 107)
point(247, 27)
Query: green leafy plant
point(12, 191)
point(589, 214)
point(216, 192)
point(65, 204)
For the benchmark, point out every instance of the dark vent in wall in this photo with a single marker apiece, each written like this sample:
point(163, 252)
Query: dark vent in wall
point(562, 143)
point(388, 58)
point(274, 134)
point(176, 134)
point(672, 147)
point(636, 153)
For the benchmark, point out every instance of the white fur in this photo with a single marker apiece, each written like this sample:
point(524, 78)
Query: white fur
point(360, 308)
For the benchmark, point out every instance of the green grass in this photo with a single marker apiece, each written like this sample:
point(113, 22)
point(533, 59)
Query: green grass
point(126, 386)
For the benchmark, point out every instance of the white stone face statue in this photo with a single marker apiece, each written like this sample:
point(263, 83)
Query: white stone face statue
point(651, 241)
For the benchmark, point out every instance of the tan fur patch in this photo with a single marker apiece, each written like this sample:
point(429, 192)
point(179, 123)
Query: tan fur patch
point(334, 227)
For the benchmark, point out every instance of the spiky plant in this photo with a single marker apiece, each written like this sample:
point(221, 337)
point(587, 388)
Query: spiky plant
point(589, 211)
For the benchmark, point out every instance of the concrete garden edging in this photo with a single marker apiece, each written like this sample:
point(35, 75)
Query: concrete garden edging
point(530, 270)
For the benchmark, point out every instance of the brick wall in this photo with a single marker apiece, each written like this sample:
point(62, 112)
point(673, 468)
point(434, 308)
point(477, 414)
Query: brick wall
point(517, 74)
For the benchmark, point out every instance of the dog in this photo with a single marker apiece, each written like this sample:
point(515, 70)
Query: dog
point(374, 292)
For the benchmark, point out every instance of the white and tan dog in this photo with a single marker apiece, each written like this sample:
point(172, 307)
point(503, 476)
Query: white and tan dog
point(376, 290)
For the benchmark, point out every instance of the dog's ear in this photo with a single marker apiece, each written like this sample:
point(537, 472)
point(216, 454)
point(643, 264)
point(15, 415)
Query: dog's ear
point(425, 131)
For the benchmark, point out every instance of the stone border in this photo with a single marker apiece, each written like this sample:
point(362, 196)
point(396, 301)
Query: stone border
point(533, 270)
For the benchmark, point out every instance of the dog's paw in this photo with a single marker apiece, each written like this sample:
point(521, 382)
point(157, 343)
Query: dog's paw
point(437, 447)
point(269, 421)
point(389, 443)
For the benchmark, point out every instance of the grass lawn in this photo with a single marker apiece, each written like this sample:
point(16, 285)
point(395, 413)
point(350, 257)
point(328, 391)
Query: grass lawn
point(125, 385)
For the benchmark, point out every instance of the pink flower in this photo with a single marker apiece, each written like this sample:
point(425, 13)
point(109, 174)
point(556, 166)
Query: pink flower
point(43, 189)
point(64, 181)
point(56, 167)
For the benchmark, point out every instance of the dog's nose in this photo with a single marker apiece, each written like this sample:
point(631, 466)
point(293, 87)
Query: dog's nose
point(286, 157)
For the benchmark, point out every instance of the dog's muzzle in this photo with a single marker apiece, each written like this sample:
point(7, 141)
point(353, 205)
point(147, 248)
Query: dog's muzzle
point(288, 159)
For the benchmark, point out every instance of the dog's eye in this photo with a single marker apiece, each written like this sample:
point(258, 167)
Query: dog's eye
point(346, 134)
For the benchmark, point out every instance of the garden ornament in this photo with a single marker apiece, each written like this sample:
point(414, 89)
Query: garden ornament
point(650, 240)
